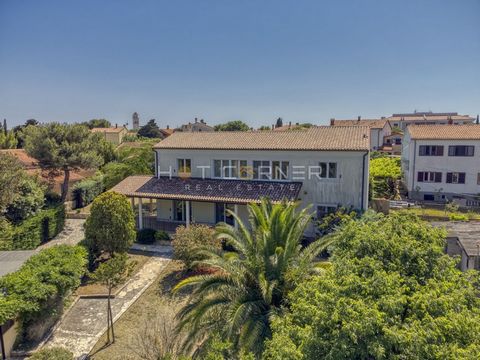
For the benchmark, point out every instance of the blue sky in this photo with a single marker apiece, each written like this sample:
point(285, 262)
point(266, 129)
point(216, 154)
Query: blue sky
point(220, 60)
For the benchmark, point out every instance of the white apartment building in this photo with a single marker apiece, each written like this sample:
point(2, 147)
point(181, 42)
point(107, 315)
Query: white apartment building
point(442, 162)
point(201, 175)
point(401, 121)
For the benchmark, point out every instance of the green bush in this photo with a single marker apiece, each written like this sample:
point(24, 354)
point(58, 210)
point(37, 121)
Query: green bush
point(146, 236)
point(38, 288)
point(458, 217)
point(54, 353)
point(6, 234)
point(87, 190)
point(30, 200)
point(162, 235)
point(39, 228)
point(187, 241)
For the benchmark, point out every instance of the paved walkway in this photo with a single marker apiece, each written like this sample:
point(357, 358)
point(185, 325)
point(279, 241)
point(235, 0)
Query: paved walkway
point(85, 323)
point(71, 234)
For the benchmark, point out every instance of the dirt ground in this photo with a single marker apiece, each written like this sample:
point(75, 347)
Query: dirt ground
point(129, 326)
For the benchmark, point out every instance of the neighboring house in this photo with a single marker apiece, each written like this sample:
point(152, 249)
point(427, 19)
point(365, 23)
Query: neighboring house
point(166, 132)
point(197, 126)
point(201, 175)
point(463, 240)
point(392, 144)
point(53, 178)
point(401, 121)
point(296, 126)
point(441, 162)
point(11, 261)
point(114, 135)
point(379, 128)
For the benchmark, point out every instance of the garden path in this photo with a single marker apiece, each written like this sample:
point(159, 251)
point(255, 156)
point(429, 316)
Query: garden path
point(71, 234)
point(85, 322)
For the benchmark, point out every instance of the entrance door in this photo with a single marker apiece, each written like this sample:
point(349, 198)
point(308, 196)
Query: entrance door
point(221, 214)
point(179, 210)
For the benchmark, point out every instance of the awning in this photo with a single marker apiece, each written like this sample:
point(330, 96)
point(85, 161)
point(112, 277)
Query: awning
point(211, 190)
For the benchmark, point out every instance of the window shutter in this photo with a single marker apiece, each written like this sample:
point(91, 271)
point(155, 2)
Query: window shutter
point(461, 178)
point(449, 177)
point(438, 177)
point(420, 176)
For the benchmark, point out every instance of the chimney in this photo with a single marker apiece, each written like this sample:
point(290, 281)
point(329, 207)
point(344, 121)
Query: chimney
point(273, 126)
point(297, 123)
point(359, 118)
point(196, 120)
point(450, 121)
point(168, 127)
point(332, 121)
point(116, 126)
point(202, 121)
point(478, 120)
point(289, 124)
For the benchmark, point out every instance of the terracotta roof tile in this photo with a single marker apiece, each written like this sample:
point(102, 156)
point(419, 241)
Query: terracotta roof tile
point(444, 132)
point(217, 190)
point(431, 118)
point(371, 123)
point(108, 130)
point(326, 138)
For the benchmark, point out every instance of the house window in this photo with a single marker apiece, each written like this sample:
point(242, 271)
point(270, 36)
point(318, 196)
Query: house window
point(430, 150)
point(324, 210)
point(184, 166)
point(180, 210)
point(280, 170)
point(328, 170)
point(478, 178)
point(230, 169)
point(222, 215)
point(461, 150)
point(261, 169)
point(429, 176)
point(455, 178)
point(398, 141)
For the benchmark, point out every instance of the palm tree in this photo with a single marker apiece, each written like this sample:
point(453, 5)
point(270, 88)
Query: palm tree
point(249, 284)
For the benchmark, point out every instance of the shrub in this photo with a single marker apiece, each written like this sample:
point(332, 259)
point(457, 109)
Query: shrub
point(40, 285)
point(39, 228)
point(111, 224)
point(384, 172)
point(146, 236)
point(87, 190)
point(29, 201)
point(54, 353)
point(6, 234)
point(187, 241)
point(458, 217)
point(162, 235)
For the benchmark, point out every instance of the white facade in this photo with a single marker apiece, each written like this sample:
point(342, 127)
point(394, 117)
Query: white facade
point(348, 188)
point(377, 136)
point(444, 186)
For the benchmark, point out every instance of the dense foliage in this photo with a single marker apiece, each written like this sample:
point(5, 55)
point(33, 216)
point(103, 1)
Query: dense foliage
point(64, 147)
point(11, 177)
point(43, 281)
point(30, 198)
point(111, 225)
point(384, 172)
point(246, 286)
point(188, 241)
point(330, 222)
point(391, 293)
point(97, 123)
point(235, 125)
point(85, 191)
point(146, 236)
point(53, 353)
point(150, 130)
point(30, 233)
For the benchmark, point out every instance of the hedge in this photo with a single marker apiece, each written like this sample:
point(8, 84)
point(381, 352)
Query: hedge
point(41, 227)
point(87, 190)
point(37, 290)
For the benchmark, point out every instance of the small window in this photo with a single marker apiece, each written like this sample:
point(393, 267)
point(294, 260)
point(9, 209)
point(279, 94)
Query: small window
point(328, 170)
point(429, 197)
point(478, 178)
point(261, 169)
point(280, 170)
point(323, 211)
point(455, 178)
point(430, 150)
point(429, 176)
point(461, 150)
point(184, 166)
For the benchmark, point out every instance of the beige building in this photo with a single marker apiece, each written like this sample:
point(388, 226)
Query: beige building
point(197, 126)
point(379, 129)
point(401, 121)
point(114, 134)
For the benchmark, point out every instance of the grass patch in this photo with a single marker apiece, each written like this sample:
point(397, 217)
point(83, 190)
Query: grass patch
point(442, 214)
point(87, 288)
point(129, 327)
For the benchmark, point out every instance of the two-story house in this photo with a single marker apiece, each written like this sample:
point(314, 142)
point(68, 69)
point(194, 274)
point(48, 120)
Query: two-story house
point(379, 129)
point(401, 121)
point(199, 176)
point(441, 162)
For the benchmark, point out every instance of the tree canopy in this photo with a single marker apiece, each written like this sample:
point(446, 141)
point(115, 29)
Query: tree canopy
point(11, 177)
point(111, 225)
point(235, 125)
point(98, 123)
point(391, 293)
point(150, 130)
point(64, 147)
point(384, 173)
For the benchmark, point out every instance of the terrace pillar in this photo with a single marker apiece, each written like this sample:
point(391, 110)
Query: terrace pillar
point(140, 215)
point(235, 210)
point(187, 213)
